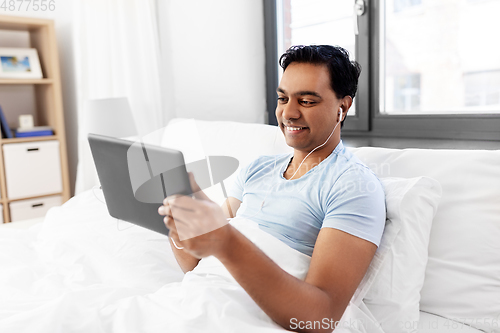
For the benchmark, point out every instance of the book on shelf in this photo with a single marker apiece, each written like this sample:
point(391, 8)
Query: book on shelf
point(34, 131)
point(6, 132)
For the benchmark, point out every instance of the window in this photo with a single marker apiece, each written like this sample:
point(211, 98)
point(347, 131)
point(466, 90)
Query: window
point(446, 52)
point(305, 22)
point(482, 89)
point(407, 92)
point(400, 5)
point(430, 68)
point(315, 22)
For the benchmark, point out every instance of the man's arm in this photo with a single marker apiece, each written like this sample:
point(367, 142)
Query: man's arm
point(186, 261)
point(338, 264)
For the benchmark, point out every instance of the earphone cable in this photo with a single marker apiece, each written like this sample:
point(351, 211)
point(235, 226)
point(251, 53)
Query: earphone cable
point(274, 169)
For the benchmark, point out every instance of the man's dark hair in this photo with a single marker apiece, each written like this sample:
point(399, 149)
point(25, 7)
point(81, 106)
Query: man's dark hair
point(344, 73)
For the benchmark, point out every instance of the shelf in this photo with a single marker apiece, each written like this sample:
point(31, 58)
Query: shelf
point(6, 201)
point(29, 198)
point(29, 139)
point(22, 23)
point(26, 81)
point(45, 100)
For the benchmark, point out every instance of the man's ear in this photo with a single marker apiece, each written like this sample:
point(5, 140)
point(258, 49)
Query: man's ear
point(346, 104)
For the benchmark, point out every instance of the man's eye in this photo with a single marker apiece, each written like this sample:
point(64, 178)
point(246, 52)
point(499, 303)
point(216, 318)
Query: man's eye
point(282, 99)
point(307, 103)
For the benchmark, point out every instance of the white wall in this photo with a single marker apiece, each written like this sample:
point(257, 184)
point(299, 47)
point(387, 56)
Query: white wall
point(216, 49)
point(62, 15)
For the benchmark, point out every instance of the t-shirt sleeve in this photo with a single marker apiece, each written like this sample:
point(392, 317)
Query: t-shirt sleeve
point(237, 188)
point(356, 205)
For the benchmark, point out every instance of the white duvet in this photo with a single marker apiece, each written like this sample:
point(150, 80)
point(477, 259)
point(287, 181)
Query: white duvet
point(83, 271)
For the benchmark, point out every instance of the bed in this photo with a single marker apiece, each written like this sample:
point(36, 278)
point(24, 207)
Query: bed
point(81, 270)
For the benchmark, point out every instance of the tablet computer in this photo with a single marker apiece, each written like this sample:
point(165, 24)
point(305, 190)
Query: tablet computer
point(136, 177)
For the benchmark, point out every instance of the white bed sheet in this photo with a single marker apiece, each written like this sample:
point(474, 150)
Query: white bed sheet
point(430, 323)
point(24, 224)
point(76, 272)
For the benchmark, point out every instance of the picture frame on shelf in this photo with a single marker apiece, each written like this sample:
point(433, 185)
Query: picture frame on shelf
point(19, 63)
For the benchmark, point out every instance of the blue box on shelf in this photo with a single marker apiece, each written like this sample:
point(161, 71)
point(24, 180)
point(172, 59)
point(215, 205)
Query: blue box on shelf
point(34, 131)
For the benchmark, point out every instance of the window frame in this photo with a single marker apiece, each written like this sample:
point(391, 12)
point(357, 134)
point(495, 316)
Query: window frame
point(369, 121)
point(271, 53)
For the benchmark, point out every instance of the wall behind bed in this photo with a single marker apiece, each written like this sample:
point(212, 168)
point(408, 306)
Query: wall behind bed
point(214, 57)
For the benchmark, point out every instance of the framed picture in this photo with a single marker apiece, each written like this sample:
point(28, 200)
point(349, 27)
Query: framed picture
point(18, 63)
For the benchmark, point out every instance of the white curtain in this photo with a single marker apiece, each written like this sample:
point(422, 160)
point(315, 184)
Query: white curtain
point(117, 54)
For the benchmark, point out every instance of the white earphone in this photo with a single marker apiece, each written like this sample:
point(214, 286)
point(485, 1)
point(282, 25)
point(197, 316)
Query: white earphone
point(324, 143)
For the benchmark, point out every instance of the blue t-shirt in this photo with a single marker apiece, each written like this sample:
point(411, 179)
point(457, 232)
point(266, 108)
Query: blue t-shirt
point(340, 193)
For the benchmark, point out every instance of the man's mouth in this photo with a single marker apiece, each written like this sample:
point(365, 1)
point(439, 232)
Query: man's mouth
point(294, 129)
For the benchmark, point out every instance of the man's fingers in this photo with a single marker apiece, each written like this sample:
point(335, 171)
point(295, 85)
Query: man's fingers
point(178, 211)
point(181, 203)
point(170, 220)
point(163, 210)
point(166, 201)
point(189, 217)
point(167, 220)
point(177, 228)
point(186, 209)
point(170, 224)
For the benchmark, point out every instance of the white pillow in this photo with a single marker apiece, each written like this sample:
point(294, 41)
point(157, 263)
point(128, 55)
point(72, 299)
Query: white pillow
point(392, 284)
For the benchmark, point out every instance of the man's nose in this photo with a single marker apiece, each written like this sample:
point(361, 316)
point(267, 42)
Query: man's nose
point(291, 110)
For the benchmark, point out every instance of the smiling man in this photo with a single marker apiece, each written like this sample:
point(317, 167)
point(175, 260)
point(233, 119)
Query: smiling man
point(320, 200)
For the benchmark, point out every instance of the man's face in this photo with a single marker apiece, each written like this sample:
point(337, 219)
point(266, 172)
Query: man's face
point(307, 101)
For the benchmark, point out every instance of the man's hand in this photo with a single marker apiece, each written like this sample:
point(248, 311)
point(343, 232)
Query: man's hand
point(196, 224)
